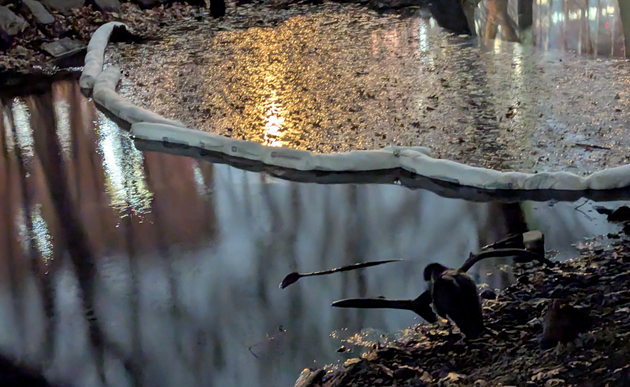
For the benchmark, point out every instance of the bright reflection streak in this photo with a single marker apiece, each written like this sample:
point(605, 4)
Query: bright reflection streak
point(273, 126)
point(200, 183)
point(557, 17)
point(517, 77)
point(23, 130)
point(62, 113)
point(423, 36)
point(38, 237)
point(23, 233)
point(122, 165)
point(497, 46)
point(41, 234)
point(273, 119)
point(8, 131)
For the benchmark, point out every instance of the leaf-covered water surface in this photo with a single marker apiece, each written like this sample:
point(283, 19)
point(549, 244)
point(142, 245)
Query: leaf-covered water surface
point(338, 77)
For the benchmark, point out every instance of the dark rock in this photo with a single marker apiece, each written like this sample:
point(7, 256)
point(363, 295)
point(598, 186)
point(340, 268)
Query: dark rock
point(450, 15)
point(534, 241)
point(63, 6)
point(38, 11)
point(120, 34)
point(11, 23)
point(380, 5)
point(63, 47)
point(13, 374)
point(405, 372)
point(147, 4)
point(488, 295)
point(563, 323)
point(5, 40)
point(603, 210)
point(621, 214)
point(108, 5)
point(217, 8)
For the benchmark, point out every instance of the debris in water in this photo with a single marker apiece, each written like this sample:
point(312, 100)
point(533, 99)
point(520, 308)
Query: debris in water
point(295, 276)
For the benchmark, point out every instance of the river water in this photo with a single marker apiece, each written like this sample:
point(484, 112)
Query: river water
point(133, 264)
point(158, 269)
point(341, 77)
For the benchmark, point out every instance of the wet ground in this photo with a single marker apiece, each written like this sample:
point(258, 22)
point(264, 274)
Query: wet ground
point(162, 270)
point(337, 77)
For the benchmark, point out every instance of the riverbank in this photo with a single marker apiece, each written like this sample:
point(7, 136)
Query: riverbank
point(595, 282)
point(30, 47)
point(43, 37)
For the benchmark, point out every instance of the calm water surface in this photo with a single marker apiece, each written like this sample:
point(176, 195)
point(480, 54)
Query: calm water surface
point(339, 77)
point(147, 268)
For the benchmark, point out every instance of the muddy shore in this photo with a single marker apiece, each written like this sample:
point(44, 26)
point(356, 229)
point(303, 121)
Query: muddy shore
point(595, 282)
point(61, 45)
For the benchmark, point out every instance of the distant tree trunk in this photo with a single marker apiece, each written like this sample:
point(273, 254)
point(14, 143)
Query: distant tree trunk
point(450, 15)
point(624, 10)
point(498, 15)
point(38, 268)
point(73, 234)
point(525, 14)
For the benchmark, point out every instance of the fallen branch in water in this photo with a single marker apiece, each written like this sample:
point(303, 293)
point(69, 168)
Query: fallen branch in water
point(592, 146)
point(295, 276)
point(528, 243)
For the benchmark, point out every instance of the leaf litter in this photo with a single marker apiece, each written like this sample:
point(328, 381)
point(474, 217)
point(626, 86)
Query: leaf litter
point(509, 354)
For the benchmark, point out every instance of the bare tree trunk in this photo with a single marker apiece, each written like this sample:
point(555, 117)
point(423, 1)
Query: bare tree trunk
point(44, 281)
point(525, 14)
point(597, 17)
point(565, 22)
point(72, 233)
point(498, 15)
point(134, 367)
point(624, 11)
point(8, 217)
point(549, 23)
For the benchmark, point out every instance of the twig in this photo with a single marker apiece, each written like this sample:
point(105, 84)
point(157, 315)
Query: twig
point(592, 146)
point(587, 200)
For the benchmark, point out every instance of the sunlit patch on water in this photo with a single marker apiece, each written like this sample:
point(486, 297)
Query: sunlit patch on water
point(273, 125)
point(341, 77)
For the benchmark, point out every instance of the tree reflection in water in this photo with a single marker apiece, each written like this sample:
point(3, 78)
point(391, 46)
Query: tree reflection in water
point(162, 270)
point(585, 26)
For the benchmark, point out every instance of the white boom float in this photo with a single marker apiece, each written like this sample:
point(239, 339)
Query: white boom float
point(147, 125)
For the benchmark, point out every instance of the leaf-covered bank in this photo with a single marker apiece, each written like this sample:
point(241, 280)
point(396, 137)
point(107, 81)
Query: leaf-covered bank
point(510, 354)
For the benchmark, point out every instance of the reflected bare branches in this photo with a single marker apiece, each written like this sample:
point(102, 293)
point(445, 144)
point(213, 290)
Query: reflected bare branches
point(177, 295)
